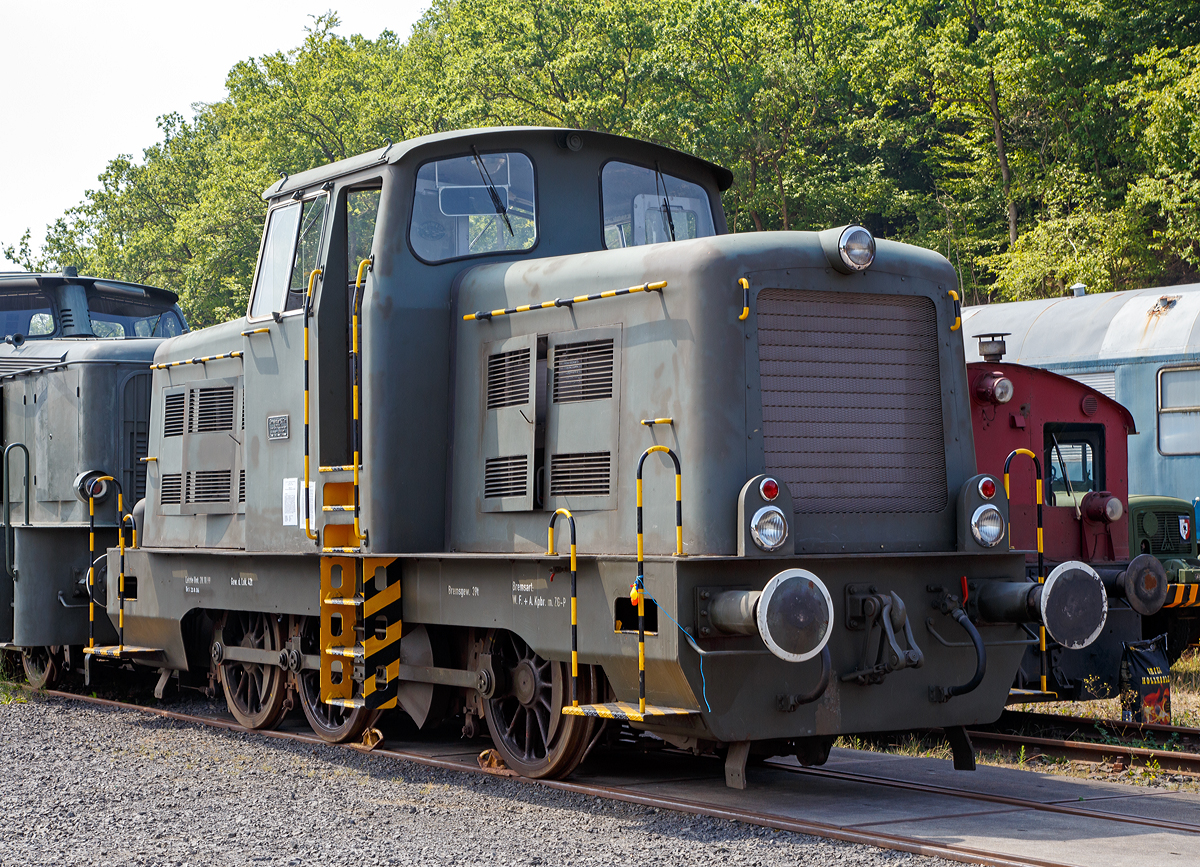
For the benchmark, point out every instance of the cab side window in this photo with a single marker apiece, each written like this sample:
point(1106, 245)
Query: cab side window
point(30, 314)
point(290, 252)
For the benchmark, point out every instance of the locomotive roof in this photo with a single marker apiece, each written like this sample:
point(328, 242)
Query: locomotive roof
point(25, 280)
point(393, 153)
point(1139, 322)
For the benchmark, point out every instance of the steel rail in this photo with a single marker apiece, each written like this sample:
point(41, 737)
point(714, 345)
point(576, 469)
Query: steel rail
point(1167, 760)
point(860, 834)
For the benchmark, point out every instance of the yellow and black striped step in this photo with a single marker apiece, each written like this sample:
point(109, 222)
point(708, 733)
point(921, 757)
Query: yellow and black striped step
point(1182, 596)
point(124, 651)
point(620, 710)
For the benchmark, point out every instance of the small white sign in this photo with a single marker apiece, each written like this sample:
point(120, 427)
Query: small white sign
point(289, 502)
point(312, 504)
point(1185, 527)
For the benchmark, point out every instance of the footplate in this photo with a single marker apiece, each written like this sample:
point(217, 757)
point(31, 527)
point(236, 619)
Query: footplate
point(619, 710)
point(126, 651)
point(361, 623)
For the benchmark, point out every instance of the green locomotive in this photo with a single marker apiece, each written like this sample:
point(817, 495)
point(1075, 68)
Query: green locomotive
point(759, 446)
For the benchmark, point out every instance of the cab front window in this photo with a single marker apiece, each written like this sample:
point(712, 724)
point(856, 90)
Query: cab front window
point(472, 206)
point(648, 206)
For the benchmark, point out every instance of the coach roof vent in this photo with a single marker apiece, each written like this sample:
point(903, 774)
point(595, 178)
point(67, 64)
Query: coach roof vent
point(992, 346)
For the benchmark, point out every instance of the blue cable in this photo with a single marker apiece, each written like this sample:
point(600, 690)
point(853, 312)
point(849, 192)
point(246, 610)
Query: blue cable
point(691, 641)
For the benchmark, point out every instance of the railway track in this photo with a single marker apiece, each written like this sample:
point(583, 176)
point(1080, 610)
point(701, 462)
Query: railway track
point(1144, 745)
point(716, 804)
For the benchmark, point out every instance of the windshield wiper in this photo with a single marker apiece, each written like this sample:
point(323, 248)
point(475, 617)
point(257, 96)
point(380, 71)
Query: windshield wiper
point(486, 177)
point(666, 199)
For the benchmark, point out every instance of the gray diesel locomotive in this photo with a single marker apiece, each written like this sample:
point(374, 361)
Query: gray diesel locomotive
point(758, 447)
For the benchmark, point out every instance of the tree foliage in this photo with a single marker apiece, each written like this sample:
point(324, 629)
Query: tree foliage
point(1035, 145)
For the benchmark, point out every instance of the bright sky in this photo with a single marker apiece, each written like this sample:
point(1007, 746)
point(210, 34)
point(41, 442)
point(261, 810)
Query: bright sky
point(83, 81)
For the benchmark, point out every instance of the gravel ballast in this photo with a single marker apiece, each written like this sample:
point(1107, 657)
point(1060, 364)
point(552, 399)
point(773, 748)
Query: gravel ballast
point(82, 784)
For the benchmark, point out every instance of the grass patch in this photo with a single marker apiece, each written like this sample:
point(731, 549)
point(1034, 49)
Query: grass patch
point(10, 676)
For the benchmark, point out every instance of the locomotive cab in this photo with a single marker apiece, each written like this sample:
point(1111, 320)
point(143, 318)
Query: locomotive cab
point(757, 445)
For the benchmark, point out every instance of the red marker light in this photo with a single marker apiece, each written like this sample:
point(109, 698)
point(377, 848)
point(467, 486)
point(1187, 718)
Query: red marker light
point(769, 489)
point(987, 488)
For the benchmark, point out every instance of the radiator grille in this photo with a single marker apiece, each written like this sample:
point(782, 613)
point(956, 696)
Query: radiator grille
point(851, 392)
point(209, 486)
point(173, 407)
point(508, 379)
point(506, 477)
point(583, 371)
point(171, 492)
point(580, 475)
point(211, 409)
point(1167, 540)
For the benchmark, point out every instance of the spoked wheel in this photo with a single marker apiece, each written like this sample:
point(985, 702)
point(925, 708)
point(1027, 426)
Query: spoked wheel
point(43, 666)
point(525, 716)
point(330, 723)
point(254, 692)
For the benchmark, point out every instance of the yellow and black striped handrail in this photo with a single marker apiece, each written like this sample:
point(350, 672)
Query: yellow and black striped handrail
point(637, 593)
point(312, 281)
point(260, 330)
point(745, 284)
point(574, 604)
point(1037, 469)
point(199, 359)
point(356, 386)
point(484, 315)
point(651, 422)
point(957, 310)
point(90, 489)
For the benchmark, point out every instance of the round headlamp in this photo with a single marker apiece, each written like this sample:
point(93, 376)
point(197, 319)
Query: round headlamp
point(1002, 390)
point(987, 526)
point(857, 248)
point(769, 528)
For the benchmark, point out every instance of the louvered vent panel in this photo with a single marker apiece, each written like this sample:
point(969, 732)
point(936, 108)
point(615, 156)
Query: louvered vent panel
point(209, 486)
point(505, 477)
point(211, 409)
point(508, 379)
point(173, 408)
point(13, 363)
point(242, 486)
point(852, 401)
point(171, 493)
point(140, 448)
point(583, 371)
point(580, 475)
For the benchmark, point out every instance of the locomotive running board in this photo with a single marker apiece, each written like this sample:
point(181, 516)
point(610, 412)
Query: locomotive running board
point(125, 651)
point(361, 625)
point(619, 710)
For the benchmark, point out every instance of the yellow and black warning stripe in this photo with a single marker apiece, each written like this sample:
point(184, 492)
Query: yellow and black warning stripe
point(1182, 596)
point(484, 315)
point(199, 359)
point(619, 710)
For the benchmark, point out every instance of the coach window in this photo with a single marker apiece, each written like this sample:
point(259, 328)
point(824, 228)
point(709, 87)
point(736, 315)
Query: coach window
point(1179, 411)
point(472, 206)
point(648, 206)
point(290, 252)
point(1074, 462)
